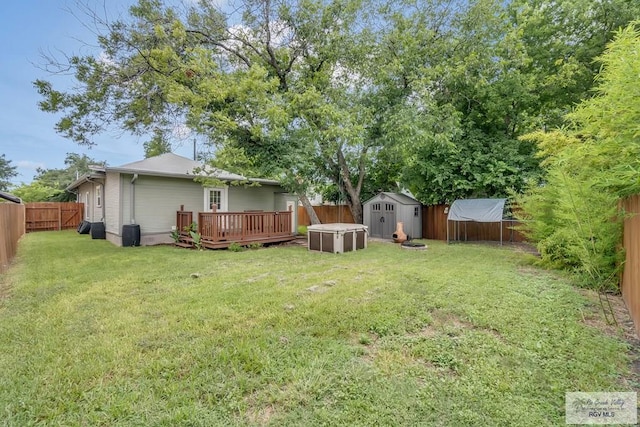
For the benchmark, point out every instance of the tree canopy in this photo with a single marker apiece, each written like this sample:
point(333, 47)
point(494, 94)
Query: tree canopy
point(348, 96)
point(49, 185)
point(589, 166)
point(7, 171)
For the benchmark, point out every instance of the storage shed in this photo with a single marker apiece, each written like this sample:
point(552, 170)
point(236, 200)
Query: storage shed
point(382, 213)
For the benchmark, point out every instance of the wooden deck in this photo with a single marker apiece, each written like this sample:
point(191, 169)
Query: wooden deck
point(218, 230)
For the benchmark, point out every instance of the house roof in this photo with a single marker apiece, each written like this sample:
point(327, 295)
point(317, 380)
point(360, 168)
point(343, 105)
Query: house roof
point(95, 172)
point(170, 165)
point(10, 197)
point(397, 197)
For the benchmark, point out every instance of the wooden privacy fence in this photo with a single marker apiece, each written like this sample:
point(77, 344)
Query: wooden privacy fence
point(12, 226)
point(46, 216)
point(434, 227)
point(631, 274)
point(328, 214)
point(434, 224)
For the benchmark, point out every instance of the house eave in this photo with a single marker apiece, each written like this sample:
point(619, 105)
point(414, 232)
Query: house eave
point(10, 197)
point(153, 173)
point(87, 177)
point(191, 176)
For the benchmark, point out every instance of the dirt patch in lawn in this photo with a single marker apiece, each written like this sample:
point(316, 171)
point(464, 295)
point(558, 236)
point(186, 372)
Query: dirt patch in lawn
point(445, 322)
point(260, 416)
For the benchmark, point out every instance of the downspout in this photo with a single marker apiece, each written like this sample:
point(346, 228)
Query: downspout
point(133, 198)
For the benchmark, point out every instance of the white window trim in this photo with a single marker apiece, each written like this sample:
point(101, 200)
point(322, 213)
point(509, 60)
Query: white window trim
point(87, 200)
point(224, 194)
point(99, 196)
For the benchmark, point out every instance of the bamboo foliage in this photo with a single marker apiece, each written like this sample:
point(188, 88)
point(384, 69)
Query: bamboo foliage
point(573, 215)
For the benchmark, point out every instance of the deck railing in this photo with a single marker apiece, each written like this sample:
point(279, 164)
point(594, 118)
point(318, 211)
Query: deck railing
point(243, 226)
point(183, 221)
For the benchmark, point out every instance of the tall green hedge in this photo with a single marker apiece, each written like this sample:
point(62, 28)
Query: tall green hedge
point(573, 214)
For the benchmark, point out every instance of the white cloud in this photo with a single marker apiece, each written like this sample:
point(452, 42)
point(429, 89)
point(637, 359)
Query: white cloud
point(29, 165)
point(241, 31)
point(217, 3)
point(105, 59)
point(348, 78)
point(280, 33)
point(181, 131)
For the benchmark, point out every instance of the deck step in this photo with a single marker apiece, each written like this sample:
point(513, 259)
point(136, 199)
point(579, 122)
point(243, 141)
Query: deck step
point(184, 245)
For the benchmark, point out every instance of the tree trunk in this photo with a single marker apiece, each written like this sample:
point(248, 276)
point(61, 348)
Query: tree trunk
point(356, 211)
point(313, 216)
point(353, 192)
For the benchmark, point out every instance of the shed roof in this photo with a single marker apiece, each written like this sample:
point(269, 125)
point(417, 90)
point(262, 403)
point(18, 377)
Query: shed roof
point(478, 210)
point(396, 197)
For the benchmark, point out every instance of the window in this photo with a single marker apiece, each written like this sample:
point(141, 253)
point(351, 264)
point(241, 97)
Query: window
point(416, 211)
point(86, 206)
point(99, 196)
point(215, 197)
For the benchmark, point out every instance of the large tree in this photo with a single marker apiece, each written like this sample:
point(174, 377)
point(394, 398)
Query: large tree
point(7, 171)
point(430, 95)
point(562, 39)
point(458, 95)
point(284, 87)
point(159, 144)
point(503, 69)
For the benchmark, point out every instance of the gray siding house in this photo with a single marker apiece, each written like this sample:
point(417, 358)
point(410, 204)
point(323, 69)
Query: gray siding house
point(382, 213)
point(150, 192)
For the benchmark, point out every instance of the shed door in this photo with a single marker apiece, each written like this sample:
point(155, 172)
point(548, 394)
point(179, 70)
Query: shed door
point(383, 220)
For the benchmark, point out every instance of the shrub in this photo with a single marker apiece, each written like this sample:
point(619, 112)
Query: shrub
point(573, 214)
point(236, 247)
point(196, 239)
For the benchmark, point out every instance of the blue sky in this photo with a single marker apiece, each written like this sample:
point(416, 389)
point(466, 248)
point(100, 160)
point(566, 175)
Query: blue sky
point(27, 135)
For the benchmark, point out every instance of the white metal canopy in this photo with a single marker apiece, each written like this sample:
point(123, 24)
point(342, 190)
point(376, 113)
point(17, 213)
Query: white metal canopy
point(476, 210)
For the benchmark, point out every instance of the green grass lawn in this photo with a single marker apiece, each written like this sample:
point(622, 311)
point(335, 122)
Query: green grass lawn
point(93, 334)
